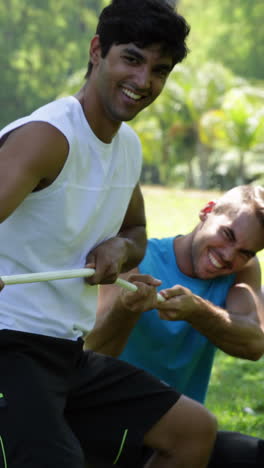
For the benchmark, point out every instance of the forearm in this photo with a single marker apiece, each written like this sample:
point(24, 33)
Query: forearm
point(110, 333)
point(237, 335)
point(134, 244)
point(118, 311)
point(116, 255)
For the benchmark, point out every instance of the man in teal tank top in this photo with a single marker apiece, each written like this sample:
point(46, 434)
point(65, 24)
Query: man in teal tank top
point(173, 350)
point(211, 281)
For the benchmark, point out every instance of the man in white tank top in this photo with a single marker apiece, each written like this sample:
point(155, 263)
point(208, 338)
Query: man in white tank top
point(69, 197)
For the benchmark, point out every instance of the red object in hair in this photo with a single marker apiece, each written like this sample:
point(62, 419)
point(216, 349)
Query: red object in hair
point(209, 207)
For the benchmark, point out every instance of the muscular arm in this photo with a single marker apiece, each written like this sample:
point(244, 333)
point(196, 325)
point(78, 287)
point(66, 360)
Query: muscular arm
point(123, 252)
point(118, 312)
point(31, 156)
point(239, 329)
point(133, 231)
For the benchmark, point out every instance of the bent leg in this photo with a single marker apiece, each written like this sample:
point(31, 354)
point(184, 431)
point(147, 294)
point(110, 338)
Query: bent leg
point(236, 450)
point(119, 412)
point(183, 437)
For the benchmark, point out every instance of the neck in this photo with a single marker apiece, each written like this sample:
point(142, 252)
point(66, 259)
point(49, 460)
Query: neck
point(183, 253)
point(104, 128)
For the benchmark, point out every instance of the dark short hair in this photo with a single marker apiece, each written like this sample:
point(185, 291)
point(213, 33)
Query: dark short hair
point(232, 201)
point(143, 22)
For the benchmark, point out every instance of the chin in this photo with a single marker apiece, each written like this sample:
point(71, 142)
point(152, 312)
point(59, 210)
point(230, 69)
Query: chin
point(207, 274)
point(124, 117)
point(216, 274)
point(128, 117)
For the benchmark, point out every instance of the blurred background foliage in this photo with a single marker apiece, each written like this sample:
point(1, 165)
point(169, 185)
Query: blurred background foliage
point(205, 131)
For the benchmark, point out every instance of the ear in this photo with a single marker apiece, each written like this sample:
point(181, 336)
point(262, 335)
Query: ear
point(207, 209)
point(95, 50)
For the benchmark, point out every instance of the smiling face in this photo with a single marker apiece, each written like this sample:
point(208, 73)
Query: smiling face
point(223, 243)
point(128, 79)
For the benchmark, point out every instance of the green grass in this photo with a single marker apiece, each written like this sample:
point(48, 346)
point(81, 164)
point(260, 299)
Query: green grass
point(236, 384)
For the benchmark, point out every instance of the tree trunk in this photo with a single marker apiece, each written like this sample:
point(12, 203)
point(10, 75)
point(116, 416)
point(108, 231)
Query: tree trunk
point(203, 158)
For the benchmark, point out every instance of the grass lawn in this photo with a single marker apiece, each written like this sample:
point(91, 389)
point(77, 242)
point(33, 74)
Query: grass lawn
point(236, 391)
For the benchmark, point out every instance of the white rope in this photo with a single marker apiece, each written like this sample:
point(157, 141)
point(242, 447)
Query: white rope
point(64, 274)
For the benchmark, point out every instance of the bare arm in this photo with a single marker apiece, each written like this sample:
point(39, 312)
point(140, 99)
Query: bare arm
point(239, 329)
point(133, 231)
point(125, 251)
point(31, 155)
point(118, 311)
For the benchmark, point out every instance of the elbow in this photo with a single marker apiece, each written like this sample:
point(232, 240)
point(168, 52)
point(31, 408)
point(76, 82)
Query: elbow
point(253, 349)
point(250, 351)
point(256, 348)
point(251, 356)
point(253, 352)
point(255, 355)
point(136, 249)
point(141, 243)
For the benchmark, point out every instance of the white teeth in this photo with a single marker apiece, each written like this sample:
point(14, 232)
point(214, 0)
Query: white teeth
point(132, 95)
point(214, 261)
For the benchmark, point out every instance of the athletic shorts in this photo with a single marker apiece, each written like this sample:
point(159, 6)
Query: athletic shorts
point(62, 407)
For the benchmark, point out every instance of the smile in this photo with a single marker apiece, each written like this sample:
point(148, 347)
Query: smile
point(214, 262)
point(131, 95)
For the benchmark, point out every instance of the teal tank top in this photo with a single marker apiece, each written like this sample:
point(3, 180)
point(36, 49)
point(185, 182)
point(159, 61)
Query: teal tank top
point(174, 351)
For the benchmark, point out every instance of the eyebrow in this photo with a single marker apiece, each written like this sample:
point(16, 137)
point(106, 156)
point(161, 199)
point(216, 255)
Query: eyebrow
point(141, 58)
point(134, 52)
point(250, 253)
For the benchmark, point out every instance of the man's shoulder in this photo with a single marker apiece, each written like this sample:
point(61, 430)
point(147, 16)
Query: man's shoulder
point(50, 112)
point(158, 250)
point(127, 131)
point(59, 107)
point(155, 243)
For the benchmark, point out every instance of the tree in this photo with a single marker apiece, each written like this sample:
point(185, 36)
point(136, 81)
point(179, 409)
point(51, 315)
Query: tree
point(240, 43)
point(237, 126)
point(189, 92)
point(229, 32)
point(43, 43)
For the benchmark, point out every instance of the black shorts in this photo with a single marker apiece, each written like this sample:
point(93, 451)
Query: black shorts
point(63, 407)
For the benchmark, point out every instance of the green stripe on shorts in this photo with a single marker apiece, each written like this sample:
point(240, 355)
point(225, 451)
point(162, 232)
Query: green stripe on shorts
point(3, 452)
point(121, 446)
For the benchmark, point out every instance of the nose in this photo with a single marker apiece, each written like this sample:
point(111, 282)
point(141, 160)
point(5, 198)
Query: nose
point(143, 77)
point(228, 254)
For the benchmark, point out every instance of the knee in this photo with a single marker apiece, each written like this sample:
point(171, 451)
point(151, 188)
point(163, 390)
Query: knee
point(193, 434)
point(207, 426)
point(187, 424)
point(200, 423)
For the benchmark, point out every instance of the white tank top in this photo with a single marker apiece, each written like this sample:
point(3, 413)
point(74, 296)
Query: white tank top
point(56, 227)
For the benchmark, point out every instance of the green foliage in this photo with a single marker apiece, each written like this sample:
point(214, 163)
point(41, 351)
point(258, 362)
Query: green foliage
point(237, 126)
point(43, 43)
point(207, 128)
point(189, 92)
point(229, 32)
point(241, 45)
